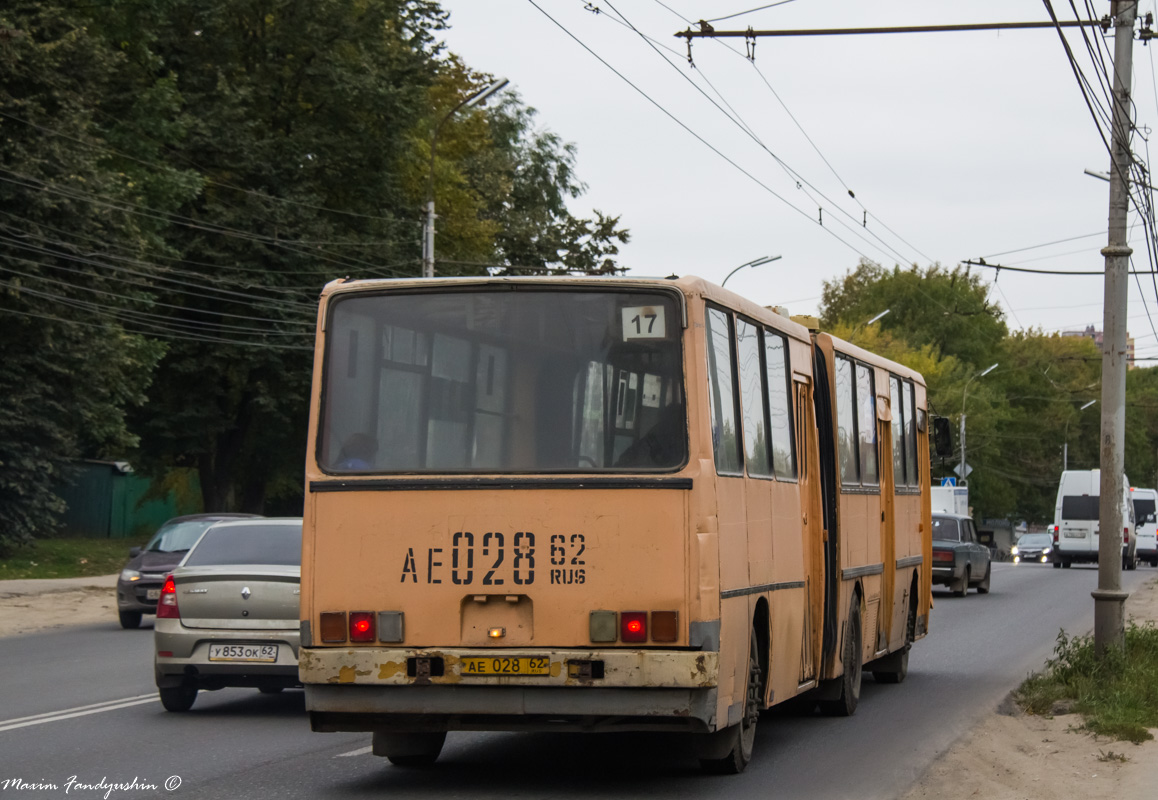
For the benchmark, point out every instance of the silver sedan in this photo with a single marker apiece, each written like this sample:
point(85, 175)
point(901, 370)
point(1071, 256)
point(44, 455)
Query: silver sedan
point(228, 615)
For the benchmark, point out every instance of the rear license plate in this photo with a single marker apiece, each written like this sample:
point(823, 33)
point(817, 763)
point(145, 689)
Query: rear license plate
point(1074, 534)
point(522, 665)
point(243, 652)
point(152, 594)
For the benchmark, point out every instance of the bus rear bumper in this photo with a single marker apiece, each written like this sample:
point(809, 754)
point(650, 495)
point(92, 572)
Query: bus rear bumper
point(352, 689)
point(399, 709)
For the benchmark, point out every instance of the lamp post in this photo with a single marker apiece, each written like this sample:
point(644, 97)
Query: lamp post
point(965, 394)
point(755, 263)
point(428, 224)
point(865, 324)
point(1066, 440)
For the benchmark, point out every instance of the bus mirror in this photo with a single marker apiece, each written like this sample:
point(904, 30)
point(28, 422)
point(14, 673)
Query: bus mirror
point(942, 437)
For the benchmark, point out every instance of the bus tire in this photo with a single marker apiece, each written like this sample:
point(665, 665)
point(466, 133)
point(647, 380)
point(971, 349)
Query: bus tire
point(845, 704)
point(894, 667)
point(409, 749)
point(740, 738)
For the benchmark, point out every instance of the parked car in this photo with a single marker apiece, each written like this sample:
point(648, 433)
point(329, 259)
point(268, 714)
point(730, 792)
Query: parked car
point(1033, 548)
point(228, 615)
point(1076, 520)
point(1146, 524)
point(139, 585)
point(959, 559)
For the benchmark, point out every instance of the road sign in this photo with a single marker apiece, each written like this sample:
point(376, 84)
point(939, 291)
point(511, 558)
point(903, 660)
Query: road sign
point(957, 469)
point(948, 481)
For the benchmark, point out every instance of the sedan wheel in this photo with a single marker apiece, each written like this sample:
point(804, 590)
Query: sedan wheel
point(130, 619)
point(962, 588)
point(178, 698)
point(983, 587)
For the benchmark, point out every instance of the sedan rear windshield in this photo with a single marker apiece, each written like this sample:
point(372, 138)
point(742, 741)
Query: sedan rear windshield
point(246, 545)
point(514, 379)
point(1081, 508)
point(946, 530)
point(178, 536)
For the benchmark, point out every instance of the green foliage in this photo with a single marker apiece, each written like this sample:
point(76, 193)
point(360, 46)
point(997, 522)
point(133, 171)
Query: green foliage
point(501, 186)
point(66, 384)
point(67, 558)
point(1117, 692)
point(1022, 416)
point(947, 308)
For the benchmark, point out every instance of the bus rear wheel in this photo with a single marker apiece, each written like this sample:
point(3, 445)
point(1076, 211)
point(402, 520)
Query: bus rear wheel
point(844, 705)
point(409, 749)
point(739, 738)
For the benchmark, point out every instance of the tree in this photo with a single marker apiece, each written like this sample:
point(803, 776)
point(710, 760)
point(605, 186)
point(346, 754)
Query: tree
point(71, 369)
point(292, 115)
point(502, 187)
point(948, 308)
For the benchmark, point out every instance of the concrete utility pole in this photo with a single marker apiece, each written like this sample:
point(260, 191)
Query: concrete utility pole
point(1109, 625)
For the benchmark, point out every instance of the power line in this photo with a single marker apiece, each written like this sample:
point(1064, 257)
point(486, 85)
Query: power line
point(211, 182)
point(735, 118)
point(703, 141)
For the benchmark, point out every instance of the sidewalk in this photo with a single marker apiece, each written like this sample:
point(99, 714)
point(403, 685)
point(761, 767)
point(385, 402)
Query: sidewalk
point(22, 588)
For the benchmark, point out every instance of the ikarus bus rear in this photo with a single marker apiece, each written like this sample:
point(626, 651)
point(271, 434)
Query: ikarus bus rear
point(574, 504)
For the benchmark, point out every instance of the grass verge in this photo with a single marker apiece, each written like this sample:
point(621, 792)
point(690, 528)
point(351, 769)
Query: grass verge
point(1117, 694)
point(67, 558)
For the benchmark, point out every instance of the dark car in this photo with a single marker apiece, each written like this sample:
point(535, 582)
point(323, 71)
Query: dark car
point(139, 586)
point(959, 559)
point(1033, 548)
point(229, 613)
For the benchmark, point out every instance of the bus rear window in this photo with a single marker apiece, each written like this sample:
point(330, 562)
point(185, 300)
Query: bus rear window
point(502, 381)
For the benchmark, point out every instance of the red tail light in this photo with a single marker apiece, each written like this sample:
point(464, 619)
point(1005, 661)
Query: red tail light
point(167, 605)
point(1126, 535)
point(1055, 530)
point(362, 626)
point(942, 555)
point(633, 626)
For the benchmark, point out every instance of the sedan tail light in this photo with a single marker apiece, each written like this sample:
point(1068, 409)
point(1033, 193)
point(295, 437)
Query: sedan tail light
point(167, 605)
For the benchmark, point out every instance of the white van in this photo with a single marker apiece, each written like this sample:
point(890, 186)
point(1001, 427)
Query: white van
point(1146, 522)
point(1075, 520)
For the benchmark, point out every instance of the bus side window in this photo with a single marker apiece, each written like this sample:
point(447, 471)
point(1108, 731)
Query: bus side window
point(722, 383)
point(846, 422)
point(779, 407)
point(866, 424)
point(899, 431)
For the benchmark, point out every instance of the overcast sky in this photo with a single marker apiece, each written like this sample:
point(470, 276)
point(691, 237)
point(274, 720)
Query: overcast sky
point(956, 145)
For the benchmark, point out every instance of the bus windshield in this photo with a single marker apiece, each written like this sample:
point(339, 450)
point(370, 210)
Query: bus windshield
point(503, 380)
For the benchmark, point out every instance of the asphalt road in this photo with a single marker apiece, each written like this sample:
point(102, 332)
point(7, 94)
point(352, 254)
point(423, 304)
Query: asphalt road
point(80, 702)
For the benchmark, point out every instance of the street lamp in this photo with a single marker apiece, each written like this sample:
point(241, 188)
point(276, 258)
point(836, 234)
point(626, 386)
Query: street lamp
point(870, 322)
point(965, 394)
point(755, 263)
point(428, 225)
point(1066, 442)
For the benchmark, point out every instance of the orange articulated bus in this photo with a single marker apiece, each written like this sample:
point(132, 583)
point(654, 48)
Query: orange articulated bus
point(601, 504)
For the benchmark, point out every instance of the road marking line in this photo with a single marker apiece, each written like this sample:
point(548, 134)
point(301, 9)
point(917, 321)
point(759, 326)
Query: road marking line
point(361, 751)
point(78, 708)
point(82, 711)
